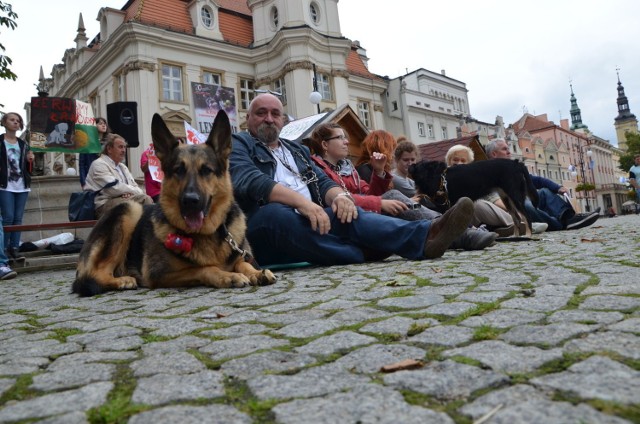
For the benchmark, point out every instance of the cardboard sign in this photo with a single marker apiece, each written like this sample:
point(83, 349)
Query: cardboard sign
point(59, 124)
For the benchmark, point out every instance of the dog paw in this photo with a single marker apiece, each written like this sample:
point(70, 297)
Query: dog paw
point(239, 280)
point(266, 277)
point(126, 283)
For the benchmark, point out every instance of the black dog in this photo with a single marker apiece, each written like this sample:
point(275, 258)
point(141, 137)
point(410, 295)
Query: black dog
point(444, 186)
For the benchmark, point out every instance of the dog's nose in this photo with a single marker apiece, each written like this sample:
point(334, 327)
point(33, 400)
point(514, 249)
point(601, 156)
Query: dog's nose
point(190, 199)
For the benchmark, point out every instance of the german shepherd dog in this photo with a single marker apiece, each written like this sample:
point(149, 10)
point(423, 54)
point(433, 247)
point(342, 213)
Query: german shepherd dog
point(195, 236)
point(444, 186)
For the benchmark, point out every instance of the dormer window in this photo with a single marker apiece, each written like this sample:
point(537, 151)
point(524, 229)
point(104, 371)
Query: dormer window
point(275, 19)
point(314, 13)
point(207, 16)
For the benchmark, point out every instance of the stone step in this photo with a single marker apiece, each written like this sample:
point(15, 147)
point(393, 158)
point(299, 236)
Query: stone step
point(44, 260)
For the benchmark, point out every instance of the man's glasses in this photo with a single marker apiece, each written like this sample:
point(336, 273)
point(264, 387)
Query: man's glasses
point(261, 91)
point(341, 137)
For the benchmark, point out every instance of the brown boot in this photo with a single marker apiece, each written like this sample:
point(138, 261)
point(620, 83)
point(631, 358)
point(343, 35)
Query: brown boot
point(448, 227)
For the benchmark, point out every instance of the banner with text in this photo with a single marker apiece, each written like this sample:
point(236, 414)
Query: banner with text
point(59, 124)
point(208, 99)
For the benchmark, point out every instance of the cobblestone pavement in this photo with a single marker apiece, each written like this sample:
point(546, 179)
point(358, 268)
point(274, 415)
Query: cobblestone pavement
point(541, 331)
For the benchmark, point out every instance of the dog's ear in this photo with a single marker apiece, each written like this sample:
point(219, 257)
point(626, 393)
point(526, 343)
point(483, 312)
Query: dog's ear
point(163, 140)
point(220, 136)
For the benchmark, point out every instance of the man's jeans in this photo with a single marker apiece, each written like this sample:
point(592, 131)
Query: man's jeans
point(279, 235)
point(551, 209)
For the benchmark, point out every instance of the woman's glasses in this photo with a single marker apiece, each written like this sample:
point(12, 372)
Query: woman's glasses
point(341, 137)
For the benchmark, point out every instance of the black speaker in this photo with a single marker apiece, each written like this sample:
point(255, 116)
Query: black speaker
point(123, 120)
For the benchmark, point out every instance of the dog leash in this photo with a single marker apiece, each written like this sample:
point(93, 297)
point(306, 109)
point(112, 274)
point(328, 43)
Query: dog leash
point(246, 255)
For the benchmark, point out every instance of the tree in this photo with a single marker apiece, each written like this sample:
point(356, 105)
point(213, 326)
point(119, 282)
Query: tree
point(7, 18)
point(633, 143)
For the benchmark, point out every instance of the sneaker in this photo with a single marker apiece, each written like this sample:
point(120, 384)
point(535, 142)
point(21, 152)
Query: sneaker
point(445, 229)
point(539, 227)
point(7, 273)
point(474, 240)
point(582, 220)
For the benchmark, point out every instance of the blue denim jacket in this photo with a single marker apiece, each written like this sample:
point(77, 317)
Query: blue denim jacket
point(253, 168)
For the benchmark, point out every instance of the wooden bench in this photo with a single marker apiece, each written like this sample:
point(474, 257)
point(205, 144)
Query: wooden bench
point(49, 226)
point(43, 259)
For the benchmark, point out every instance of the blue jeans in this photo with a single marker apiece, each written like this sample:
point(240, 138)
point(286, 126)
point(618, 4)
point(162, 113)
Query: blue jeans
point(551, 209)
point(3, 256)
point(12, 208)
point(279, 235)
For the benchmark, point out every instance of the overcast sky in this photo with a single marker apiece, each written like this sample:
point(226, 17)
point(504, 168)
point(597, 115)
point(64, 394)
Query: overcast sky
point(512, 55)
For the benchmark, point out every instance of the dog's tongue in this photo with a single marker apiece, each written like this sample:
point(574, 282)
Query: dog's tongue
point(194, 221)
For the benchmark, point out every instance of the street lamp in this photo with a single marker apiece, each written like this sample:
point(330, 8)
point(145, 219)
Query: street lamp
point(315, 97)
point(584, 180)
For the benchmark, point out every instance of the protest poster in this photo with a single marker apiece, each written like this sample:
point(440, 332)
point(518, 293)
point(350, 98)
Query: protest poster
point(60, 124)
point(208, 99)
point(155, 168)
point(295, 130)
point(193, 136)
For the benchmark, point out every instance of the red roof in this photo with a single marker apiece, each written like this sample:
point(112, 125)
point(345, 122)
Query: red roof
point(438, 149)
point(356, 66)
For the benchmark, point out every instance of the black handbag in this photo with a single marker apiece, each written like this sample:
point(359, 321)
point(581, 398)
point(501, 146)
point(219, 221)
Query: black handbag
point(81, 204)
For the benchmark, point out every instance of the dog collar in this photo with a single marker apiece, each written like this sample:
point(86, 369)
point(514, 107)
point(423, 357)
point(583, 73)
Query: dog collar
point(178, 243)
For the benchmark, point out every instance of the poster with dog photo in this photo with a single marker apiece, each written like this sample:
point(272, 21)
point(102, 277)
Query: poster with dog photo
point(208, 99)
point(60, 124)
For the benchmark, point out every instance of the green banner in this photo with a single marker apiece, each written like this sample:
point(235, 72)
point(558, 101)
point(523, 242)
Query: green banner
point(59, 124)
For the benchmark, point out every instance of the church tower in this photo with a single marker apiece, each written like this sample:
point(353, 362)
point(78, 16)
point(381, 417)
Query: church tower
point(576, 117)
point(625, 121)
point(298, 48)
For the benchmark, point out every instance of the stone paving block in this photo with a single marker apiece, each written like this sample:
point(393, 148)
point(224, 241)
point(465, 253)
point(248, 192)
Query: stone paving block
point(176, 363)
point(370, 359)
point(446, 380)
point(117, 344)
point(631, 325)
point(38, 348)
point(236, 330)
point(224, 349)
point(507, 396)
point(358, 315)
point(163, 388)
point(363, 404)
point(245, 316)
point(443, 335)
point(81, 399)
point(177, 327)
point(451, 309)
point(609, 302)
point(326, 379)
point(597, 377)
point(6, 384)
point(337, 342)
point(293, 317)
point(482, 296)
point(304, 329)
point(625, 344)
point(395, 325)
point(503, 357)
point(545, 412)
point(212, 414)
point(274, 361)
point(174, 345)
point(411, 302)
point(537, 303)
point(15, 365)
point(70, 418)
point(72, 376)
point(108, 333)
point(503, 318)
point(69, 361)
point(546, 335)
point(586, 317)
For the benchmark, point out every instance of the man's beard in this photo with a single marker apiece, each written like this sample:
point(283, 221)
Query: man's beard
point(268, 133)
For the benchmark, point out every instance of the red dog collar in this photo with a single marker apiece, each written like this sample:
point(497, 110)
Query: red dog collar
point(178, 243)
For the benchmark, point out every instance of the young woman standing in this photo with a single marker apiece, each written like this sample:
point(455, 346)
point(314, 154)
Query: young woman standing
point(16, 161)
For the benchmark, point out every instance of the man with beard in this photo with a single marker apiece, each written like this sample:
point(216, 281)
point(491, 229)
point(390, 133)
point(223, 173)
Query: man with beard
point(296, 213)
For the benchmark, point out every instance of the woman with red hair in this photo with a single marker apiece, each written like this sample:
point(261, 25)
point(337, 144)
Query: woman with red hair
point(376, 145)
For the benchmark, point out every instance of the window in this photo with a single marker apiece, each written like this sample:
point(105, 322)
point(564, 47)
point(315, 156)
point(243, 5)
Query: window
point(430, 131)
point(207, 16)
point(314, 13)
point(274, 18)
point(246, 93)
point(279, 87)
point(421, 129)
point(122, 87)
point(444, 133)
point(211, 78)
point(324, 86)
point(172, 83)
point(395, 105)
point(363, 112)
